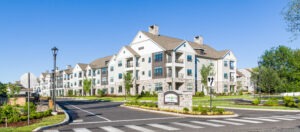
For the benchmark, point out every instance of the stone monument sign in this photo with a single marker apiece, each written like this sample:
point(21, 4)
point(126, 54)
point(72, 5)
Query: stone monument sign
point(176, 100)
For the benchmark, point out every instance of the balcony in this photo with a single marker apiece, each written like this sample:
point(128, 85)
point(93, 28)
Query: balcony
point(179, 61)
point(129, 65)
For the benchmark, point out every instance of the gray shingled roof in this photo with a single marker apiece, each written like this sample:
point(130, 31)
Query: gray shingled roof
point(100, 62)
point(82, 66)
point(170, 43)
point(68, 71)
point(165, 42)
point(238, 73)
point(131, 51)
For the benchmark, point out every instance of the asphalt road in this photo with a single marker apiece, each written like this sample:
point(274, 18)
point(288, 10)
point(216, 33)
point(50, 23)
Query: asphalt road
point(95, 116)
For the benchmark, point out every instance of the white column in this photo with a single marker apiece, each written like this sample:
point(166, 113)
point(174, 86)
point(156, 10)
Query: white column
point(173, 70)
point(134, 75)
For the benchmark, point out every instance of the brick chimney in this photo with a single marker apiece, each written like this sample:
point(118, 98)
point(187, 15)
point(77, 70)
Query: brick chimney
point(154, 29)
point(198, 39)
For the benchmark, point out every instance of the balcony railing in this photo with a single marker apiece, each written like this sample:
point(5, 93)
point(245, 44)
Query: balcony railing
point(169, 74)
point(231, 79)
point(179, 61)
point(129, 65)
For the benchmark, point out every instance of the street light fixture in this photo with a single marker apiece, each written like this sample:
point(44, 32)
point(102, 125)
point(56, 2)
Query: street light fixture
point(54, 52)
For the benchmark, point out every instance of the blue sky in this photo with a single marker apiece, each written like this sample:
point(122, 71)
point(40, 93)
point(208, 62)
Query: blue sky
point(86, 30)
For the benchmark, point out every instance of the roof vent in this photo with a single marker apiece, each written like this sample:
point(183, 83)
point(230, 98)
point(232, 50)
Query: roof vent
point(198, 39)
point(154, 29)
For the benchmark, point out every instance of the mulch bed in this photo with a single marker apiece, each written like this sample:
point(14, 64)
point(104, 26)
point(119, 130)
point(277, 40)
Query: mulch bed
point(20, 123)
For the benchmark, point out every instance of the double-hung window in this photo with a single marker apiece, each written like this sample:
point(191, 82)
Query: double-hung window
point(189, 58)
point(158, 57)
point(225, 76)
point(158, 87)
point(119, 63)
point(120, 75)
point(189, 72)
point(158, 71)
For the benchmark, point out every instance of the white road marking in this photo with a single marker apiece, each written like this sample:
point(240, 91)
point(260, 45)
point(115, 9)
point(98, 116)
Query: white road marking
point(90, 112)
point(146, 119)
point(263, 119)
point(282, 118)
point(226, 122)
point(138, 128)
point(206, 123)
point(242, 120)
point(164, 127)
point(77, 120)
point(186, 125)
point(50, 131)
point(81, 130)
point(288, 116)
point(111, 129)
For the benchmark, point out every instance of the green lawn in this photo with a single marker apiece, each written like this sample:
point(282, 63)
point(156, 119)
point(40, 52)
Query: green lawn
point(226, 103)
point(44, 122)
point(119, 99)
point(217, 101)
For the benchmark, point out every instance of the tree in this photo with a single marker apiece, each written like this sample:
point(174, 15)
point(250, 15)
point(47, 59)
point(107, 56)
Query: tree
point(292, 16)
point(284, 61)
point(87, 83)
point(127, 83)
point(269, 80)
point(3, 89)
point(13, 89)
point(205, 72)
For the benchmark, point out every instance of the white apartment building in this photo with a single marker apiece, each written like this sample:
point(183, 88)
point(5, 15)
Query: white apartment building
point(245, 79)
point(157, 63)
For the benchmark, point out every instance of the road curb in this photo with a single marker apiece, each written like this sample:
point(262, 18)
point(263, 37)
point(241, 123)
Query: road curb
point(260, 109)
point(182, 115)
point(66, 121)
point(74, 98)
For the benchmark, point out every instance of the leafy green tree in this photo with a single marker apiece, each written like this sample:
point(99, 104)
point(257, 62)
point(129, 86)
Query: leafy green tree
point(291, 15)
point(128, 83)
point(269, 80)
point(13, 89)
point(87, 84)
point(3, 90)
point(285, 61)
point(205, 72)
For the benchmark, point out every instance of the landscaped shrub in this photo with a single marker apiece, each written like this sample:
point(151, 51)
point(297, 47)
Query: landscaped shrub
point(289, 101)
point(32, 108)
point(148, 94)
point(70, 93)
point(101, 93)
point(195, 109)
point(220, 110)
point(203, 110)
point(199, 94)
point(271, 102)
point(47, 112)
point(256, 101)
point(186, 110)
point(145, 104)
point(23, 118)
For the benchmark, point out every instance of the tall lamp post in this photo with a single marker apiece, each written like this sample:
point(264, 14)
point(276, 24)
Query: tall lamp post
point(54, 51)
